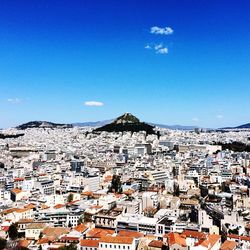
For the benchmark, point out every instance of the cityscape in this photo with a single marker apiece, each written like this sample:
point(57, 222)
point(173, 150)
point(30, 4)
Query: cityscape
point(124, 125)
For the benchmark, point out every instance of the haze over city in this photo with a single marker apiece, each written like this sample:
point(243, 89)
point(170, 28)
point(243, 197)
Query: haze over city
point(168, 62)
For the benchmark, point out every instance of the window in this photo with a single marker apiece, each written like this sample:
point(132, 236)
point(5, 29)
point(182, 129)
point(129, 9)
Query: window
point(123, 247)
point(106, 245)
point(110, 246)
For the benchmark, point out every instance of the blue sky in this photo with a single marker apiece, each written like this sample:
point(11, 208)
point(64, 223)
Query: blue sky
point(191, 68)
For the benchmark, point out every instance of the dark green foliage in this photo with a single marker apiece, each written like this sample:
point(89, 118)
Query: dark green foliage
point(69, 247)
point(176, 189)
point(3, 243)
point(70, 197)
point(127, 127)
point(235, 146)
point(87, 217)
point(127, 122)
point(13, 232)
point(4, 136)
point(116, 184)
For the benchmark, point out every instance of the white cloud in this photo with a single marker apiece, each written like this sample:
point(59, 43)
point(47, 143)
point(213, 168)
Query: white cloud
point(93, 103)
point(158, 46)
point(219, 116)
point(15, 100)
point(162, 51)
point(161, 31)
point(148, 47)
point(195, 119)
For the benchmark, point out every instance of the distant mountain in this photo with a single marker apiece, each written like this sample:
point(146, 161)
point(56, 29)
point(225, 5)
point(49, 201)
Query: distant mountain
point(43, 124)
point(174, 127)
point(126, 122)
point(243, 126)
point(92, 124)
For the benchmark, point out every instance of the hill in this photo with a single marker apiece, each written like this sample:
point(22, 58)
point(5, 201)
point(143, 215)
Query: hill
point(126, 122)
point(43, 124)
point(243, 126)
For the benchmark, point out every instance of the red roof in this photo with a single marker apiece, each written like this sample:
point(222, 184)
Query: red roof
point(89, 243)
point(117, 239)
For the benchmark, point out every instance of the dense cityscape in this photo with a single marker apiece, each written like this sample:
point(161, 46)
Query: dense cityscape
point(124, 125)
point(69, 187)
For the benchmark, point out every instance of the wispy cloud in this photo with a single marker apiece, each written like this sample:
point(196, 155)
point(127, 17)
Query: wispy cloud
point(15, 100)
point(195, 119)
point(219, 116)
point(158, 48)
point(162, 51)
point(161, 31)
point(93, 103)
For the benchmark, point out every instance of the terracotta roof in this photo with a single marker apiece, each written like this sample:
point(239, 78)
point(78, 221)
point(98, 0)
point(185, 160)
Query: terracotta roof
point(56, 232)
point(87, 193)
point(23, 221)
point(16, 190)
point(228, 245)
point(175, 238)
point(210, 241)
point(23, 243)
point(130, 234)
point(81, 228)
point(31, 206)
point(156, 244)
point(117, 239)
point(89, 243)
point(194, 234)
point(43, 241)
point(235, 236)
point(99, 232)
point(59, 206)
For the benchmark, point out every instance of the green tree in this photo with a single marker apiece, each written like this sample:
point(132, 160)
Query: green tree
point(69, 247)
point(3, 243)
point(116, 185)
point(13, 232)
point(70, 197)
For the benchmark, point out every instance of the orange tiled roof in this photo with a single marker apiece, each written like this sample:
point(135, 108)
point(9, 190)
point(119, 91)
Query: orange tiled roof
point(175, 238)
point(81, 228)
point(194, 234)
point(117, 239)
point(228, 245)
point(235, 236)
point(59, 206)
point(31, 206)
point(89, 243)
point(87, 193)
point(156, 244)
point(56, 232)
point(16, 190)
point(23, 243)
point(99, 232)
point(130, 234)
